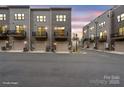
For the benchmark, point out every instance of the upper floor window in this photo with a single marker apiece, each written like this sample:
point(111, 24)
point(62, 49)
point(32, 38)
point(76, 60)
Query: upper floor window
point(2, 16)
point(122, 17)
point(41, 18)
point(85, 31)
point(102, 24)
point(60, 18)
point(91, 28)
point(119, 18)
point(19, 16)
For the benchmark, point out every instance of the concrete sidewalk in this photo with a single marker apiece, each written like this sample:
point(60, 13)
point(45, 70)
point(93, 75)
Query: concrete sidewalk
point(112, 52)
point(21, 51)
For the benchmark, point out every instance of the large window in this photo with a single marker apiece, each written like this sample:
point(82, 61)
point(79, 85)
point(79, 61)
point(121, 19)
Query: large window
point(60, 18)
point(119, 18)
point(19, 16)
point(41, 18)
point(92, 37)
point(20, 29)
point(2, 16)
point(103, 34)
point(121, 31)
point(59, 31)
point(3, 29)
point(122, 17)
point(41, 30)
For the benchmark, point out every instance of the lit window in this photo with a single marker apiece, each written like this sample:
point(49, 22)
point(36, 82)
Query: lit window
point(2, 16)
point(103, 34)
point(85, 31)
point(41, 30)
point(91, 28)
point(121, 31)
point(59, 31)
point(3, 29)
point(19, 16)
point(60, 18)
point(122, 17)
point(92, 37)
point(118, 18)
point(41, 18)
point(20, 29)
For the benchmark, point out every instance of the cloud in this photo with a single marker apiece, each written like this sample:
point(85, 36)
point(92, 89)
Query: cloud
point(88, 16)
point(82, 19)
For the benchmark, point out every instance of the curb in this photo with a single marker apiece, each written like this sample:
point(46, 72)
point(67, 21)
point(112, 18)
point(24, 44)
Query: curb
point(111, 52)
point(34, 52)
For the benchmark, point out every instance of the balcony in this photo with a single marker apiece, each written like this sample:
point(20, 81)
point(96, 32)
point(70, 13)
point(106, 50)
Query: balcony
point(21, 35)
point(3, 35)
point(117, 37)
point(40, 36)
point(103, 39)
point(60, 37)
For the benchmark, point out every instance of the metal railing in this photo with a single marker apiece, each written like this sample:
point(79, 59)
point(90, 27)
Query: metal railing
point(3, 33)
point(15, 33)
point(42, 34)
point(116, 35)
point(59, 35)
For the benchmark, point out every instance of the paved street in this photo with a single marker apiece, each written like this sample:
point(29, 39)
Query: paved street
point(89, 68)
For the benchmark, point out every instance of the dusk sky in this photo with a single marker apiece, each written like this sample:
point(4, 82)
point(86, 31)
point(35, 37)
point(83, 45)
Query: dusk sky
point(82, 14)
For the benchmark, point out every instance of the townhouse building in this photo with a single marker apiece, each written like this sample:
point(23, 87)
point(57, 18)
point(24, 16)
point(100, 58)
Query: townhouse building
point(37, 27)
point(106, 31)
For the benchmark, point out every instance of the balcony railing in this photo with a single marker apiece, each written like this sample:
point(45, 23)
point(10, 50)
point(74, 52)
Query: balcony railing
point(117, 36)
point(59, 36)
point(103, 39)
point(17, 35)
point(3, 35)
point(40, 36)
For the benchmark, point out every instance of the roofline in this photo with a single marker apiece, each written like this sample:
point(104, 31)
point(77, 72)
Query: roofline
point(60, 8)
point(99, 16)
point(3, 7)
point(19, 6)
point(37, 9)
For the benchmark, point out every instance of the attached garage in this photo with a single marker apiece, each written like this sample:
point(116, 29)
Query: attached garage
point(119, 46)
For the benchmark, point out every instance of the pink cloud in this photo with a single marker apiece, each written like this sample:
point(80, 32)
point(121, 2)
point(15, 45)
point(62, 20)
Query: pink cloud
point(79, 21)
point(90, 15)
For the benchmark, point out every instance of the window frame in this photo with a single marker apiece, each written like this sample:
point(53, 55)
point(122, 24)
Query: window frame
point(19, 16)
point(2, 16)
point(61, 18)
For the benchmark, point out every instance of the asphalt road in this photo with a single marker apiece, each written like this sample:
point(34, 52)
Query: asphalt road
point(89, 68)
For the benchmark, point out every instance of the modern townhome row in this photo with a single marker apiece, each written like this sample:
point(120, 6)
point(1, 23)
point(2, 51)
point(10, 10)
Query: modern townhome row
point(37, 28)
point(106, 32)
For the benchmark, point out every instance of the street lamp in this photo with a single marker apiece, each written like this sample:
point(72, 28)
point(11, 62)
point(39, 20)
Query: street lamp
point(96, 41)
point(76, 41)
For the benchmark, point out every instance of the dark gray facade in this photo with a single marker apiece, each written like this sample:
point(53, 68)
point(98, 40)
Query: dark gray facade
point(54, 22)
point(107, 30)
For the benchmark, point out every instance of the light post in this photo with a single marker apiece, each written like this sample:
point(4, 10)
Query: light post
point(76, 41)
point(96, 39)
point(88, 37)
